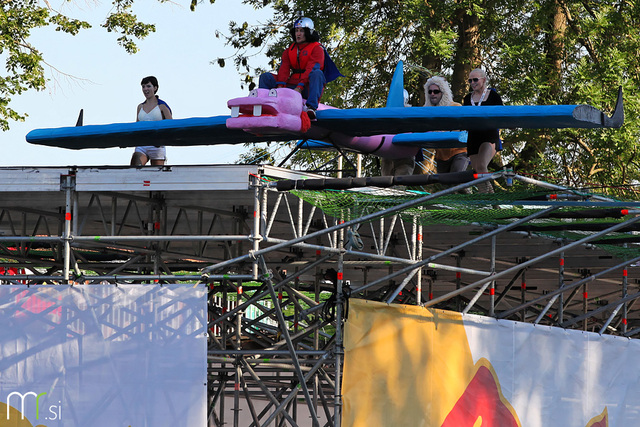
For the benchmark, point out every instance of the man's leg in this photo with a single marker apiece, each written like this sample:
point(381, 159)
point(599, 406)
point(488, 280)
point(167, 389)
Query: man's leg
point(404, 166)
point(386, 167)
point(316, 86)
point(267, 81)
point(138, 159)
point(459, 163)
point(480, 164)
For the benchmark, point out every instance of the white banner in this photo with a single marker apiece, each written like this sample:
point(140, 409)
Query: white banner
point(553, 376)
point(103, 355)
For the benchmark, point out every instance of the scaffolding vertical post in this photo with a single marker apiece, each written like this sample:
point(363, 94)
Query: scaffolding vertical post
point(625, 307)
point(157, 217)
point(223, 336)
point(164, 222)
point(148, 231)
point(381, 248)
point(300, 216)
point(492, 289)
point(414, 246)
point(414, 238)
point(66, 236)
point(458, 281)
point(365, 279)
point(263, 212)
point(585, 302)
point(114, 207)
point(238, 371)
point(75, 208)
point(316, 332)
point(523, 294)
point(339, 348)
point(418, 259)
point(200, 220)
point(257, 216)
point(560, 285)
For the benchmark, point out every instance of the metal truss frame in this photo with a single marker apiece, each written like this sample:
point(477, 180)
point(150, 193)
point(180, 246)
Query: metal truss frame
point(281, 273)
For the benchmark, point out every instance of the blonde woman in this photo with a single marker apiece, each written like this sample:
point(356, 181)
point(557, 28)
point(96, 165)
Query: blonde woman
point(482, 145)
point(437, 93)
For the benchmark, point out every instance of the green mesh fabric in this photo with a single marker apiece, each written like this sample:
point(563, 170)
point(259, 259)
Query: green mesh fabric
point(499, 208)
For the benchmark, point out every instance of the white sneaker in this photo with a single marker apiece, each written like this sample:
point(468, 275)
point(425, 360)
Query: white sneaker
point(311, 113)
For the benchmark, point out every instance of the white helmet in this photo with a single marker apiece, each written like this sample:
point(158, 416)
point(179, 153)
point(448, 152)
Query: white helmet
point(303, 23)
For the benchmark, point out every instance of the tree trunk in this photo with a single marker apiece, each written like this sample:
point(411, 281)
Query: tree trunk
point(554, 46)
point(467, 53)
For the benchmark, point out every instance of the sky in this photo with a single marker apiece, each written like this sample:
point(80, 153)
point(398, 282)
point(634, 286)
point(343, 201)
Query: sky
point(90, 71)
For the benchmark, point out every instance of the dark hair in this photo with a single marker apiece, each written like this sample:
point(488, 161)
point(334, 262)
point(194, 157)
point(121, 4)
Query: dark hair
point(152, 80)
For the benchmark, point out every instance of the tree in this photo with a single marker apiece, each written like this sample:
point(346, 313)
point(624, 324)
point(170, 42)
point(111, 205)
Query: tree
point(24, 62)
point(545, 52)
point(584, 53)
point(256, 155)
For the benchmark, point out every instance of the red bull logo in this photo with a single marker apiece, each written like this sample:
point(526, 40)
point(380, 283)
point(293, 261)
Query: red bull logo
point(482, 400)
point(482, 404)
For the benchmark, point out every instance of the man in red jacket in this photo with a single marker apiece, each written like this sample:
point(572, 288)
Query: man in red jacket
point(302, 66)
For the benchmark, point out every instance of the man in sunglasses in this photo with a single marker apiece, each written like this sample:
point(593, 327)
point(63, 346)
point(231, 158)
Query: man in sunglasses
point(437, 93)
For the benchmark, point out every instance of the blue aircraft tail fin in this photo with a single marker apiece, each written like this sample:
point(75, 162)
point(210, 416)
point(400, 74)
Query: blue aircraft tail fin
point(396, 91)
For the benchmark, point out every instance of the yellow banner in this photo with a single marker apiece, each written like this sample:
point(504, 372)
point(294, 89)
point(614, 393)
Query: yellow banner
point(411, 366)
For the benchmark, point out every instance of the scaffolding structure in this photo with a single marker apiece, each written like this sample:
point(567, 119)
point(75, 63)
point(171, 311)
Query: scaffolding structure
point(281, 271)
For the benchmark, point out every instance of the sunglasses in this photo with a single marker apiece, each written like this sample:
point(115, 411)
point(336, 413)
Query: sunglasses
point(475, 80)
point(434, 92)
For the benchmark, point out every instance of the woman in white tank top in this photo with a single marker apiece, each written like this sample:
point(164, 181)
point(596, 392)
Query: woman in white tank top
point(152, 109)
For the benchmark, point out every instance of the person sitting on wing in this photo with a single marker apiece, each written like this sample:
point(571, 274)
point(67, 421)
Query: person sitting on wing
point(305, 67)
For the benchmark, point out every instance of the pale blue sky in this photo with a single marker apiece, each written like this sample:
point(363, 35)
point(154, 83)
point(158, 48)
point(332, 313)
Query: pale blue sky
point(106, 80)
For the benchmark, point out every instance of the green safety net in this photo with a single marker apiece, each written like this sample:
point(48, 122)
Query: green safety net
point(587, 215)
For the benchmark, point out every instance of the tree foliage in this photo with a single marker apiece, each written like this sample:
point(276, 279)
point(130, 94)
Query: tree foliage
point(24, 62)
point(256, 155)
point(543, 52)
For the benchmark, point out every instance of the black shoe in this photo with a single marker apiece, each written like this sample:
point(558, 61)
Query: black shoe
point(311, 113)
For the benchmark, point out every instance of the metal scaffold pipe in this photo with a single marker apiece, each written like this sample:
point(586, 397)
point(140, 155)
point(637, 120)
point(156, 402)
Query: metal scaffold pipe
point(346, 224)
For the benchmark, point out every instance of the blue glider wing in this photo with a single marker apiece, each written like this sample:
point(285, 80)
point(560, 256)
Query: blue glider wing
point(177, 132)
point(393, 119)
point(397, 120)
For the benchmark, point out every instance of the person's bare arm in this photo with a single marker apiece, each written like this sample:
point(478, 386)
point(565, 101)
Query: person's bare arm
point(166, 113)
